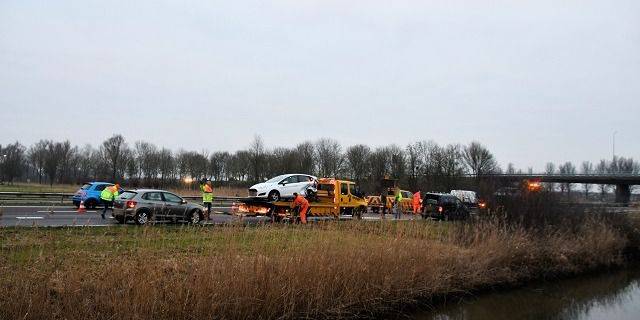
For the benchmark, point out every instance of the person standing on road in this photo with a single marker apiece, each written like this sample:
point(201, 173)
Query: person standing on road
point(207, 196)
point(303, 205)
point(397, 206)
point(417, 202)
point(108, 195)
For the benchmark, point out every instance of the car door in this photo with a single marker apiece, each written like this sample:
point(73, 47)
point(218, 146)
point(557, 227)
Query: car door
point(155, 203)
point(345, 196)
point(288, 186)
point(173, 206)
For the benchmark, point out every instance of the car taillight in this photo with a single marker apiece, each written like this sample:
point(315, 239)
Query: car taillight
point(440, 209)
point(131, 204)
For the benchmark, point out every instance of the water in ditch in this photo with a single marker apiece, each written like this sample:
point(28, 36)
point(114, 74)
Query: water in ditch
point(612, 296)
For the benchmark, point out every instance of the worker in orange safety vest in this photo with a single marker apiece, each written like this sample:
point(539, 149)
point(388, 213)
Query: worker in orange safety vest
point(303, 204)
point(417, 202)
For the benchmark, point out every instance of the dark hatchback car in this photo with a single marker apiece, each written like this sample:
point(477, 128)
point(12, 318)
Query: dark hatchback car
point(144, 205)
point(444, 206)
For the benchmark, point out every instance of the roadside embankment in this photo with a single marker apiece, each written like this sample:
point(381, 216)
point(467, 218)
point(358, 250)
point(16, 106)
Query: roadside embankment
point(346, 269)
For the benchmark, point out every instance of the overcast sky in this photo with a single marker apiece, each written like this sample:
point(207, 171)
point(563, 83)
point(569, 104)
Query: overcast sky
point(534, 81)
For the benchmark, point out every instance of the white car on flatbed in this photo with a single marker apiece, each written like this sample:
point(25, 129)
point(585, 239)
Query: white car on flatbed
point(284, 186)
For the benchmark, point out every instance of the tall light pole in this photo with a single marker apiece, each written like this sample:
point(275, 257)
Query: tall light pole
point(614, 144)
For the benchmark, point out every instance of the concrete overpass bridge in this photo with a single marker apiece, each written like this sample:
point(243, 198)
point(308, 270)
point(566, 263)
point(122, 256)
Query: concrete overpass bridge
point(623, 182)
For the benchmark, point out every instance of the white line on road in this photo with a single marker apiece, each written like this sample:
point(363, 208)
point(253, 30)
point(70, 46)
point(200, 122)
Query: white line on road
point(69, 211)
point(29, 218)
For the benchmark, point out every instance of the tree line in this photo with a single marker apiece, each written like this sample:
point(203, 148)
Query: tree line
point(422, 165)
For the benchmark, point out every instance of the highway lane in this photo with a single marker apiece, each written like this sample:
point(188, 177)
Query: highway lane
point(57, 216)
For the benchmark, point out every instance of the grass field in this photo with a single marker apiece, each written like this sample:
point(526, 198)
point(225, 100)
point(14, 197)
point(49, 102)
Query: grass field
point(328, 270)
point(62, 188)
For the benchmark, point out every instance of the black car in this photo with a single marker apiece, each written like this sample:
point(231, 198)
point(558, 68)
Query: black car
point(144, 205)
point(444, 206)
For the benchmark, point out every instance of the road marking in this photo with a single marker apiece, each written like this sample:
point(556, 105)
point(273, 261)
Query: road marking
point(29, 218)
point(69, 211)
point(35, 207)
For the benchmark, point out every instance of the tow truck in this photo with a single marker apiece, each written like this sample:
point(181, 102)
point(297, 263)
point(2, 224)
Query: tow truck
point(335, 199)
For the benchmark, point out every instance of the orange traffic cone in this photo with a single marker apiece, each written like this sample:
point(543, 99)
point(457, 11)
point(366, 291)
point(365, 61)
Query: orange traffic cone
point(81, 208)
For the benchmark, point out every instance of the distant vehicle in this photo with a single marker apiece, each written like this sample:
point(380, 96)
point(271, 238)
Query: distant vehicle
point(144, 205)
point(444, 206)
point(375, 202)
point(284, 186)
point(90, 194)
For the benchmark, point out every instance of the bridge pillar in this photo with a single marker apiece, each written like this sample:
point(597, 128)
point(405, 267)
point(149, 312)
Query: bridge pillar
point(623, 194)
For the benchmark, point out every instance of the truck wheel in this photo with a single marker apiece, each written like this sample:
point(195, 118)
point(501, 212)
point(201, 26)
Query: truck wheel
point(274, 196)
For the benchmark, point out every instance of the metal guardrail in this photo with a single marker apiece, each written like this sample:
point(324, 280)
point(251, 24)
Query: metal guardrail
point(62, 197)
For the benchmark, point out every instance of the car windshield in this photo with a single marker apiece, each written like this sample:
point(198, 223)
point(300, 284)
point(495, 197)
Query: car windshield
point(127, 195)
point(86, 186)
point(276, 179)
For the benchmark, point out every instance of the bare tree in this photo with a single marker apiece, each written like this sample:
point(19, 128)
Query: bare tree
point(52, 161)
point(587, 168)
point(166, 165)
point(479, 159)
point(218, 165)
point(379, 162)
point(112, 150)
point(257, 157)
point(398, 163)
point(306, 157)
point(36, 155)
point(65, 153)
point(414, 164)
point(12, 161)
point(567, 168)
point(329, 157)
point(357, 157)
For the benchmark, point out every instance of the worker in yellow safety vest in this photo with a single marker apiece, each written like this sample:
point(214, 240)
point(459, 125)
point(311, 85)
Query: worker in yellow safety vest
point(207, 196)
point(108, 195)
point(397, 205)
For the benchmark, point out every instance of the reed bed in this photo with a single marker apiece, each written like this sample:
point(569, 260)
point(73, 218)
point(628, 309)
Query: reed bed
point(328, 270)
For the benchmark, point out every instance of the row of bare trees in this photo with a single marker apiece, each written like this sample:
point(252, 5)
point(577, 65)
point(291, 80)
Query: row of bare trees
point(143, 163)
point(422, 165)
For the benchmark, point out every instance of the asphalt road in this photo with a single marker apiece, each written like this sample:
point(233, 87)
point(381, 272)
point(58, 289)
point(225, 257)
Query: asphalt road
point(68, 216)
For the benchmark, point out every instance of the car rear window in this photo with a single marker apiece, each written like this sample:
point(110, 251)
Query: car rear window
point(127, 195)
point(102, 187)
point(448, 199)
point(86, 186)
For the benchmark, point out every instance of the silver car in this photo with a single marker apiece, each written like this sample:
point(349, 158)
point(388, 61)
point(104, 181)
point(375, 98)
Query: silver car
point(145, 205)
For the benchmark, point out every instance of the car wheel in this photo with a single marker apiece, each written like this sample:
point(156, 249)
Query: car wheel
point(141, 218)
point(196, 217)
point(120, 219)
point(274, 195)
point(90, 204)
